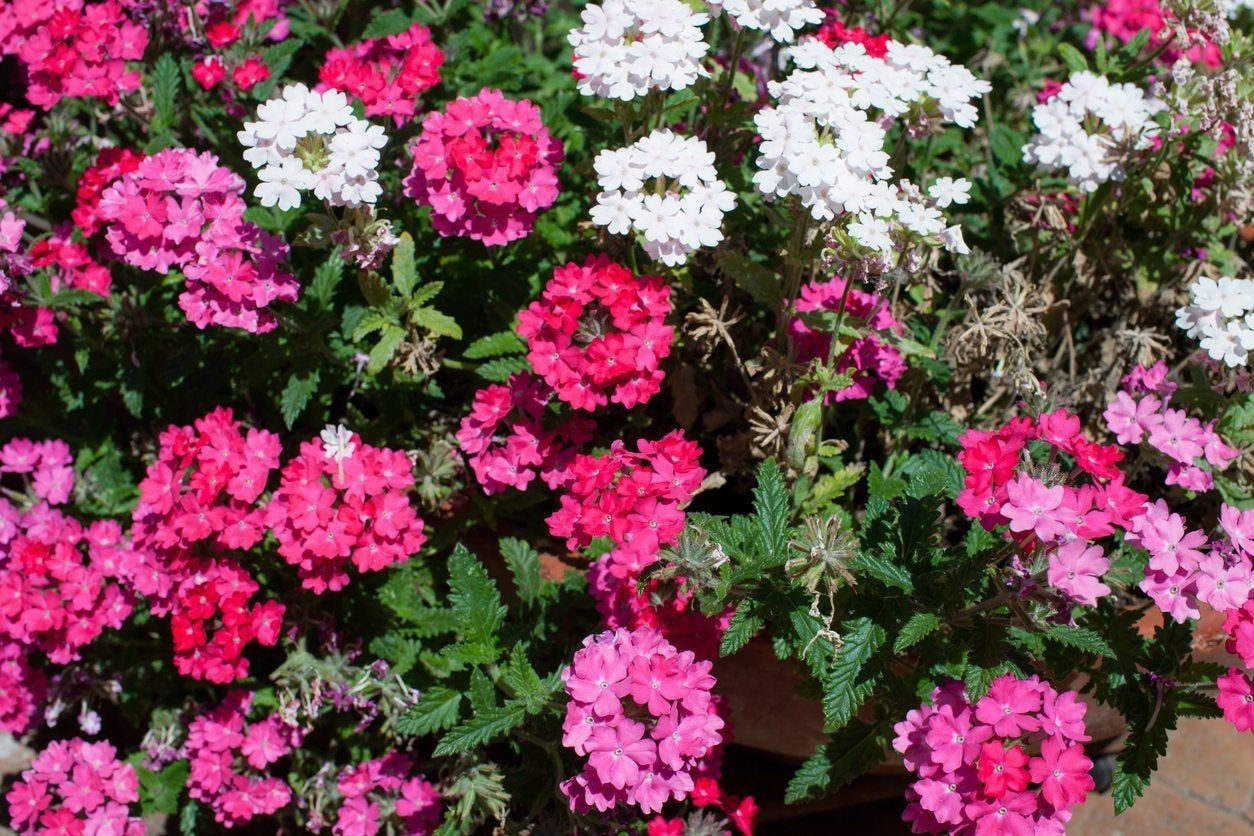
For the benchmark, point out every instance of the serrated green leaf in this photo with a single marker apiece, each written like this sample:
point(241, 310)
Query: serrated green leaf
point(437, 710)
point(919, 627)
point(527, 686)
point(1073, 58)
point(326, 279)
point(167, 80)
point(389, 22)
point(1080, 638)
point(474, 599)
point(499, 369)
point(436, 322)
point(759, 282)
point(744, 625)
point(882, 568)
point(480, 729)
point(383, 350)
point(772, 510)
point(159, 791)
point(296, 395)
point(482, 692)
point(846, 686)
point(852, 751)
point(404, 270)
point(495, 345)
point(524, 564)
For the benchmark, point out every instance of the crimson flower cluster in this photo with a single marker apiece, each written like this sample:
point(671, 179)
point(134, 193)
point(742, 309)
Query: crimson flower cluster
point(198, 500)
point(834, 32)
point(386, 74)
point(642, 713)
point(707, 793)
point(381, 792)
point(229, 757)
point(110, 164)
point(224, 26)
point(598, 333)
point(869, 359)
point(507, 441)
point(181, 209)
point(974, 764)
point(73, 786)
point(69, 265)
point(1236, 687)
point(72, 48)
point(337, 505)
point(486, 166)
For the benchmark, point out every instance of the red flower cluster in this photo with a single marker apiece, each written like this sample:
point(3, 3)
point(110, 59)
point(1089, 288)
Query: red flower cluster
point(507, 442)
point(486, 166)
point(834, 32)
point(337, 504)
point(69, 265)
point(387, 74)
point(598, 333)
point(228, 758)
point(198, 500)
point(73, 49)
point(110, 164)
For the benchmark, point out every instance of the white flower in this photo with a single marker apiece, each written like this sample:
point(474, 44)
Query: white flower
point(337, 442)
point(780, 18)
point(1221, 318)
point(626, 48)
point(947, 190)
point(306, 141)
point(664, 187)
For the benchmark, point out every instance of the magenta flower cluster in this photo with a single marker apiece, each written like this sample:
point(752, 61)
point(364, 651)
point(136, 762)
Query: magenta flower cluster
point(230, 758)
point(870, 359)
point(973, 760)
point(23, 688)
point(329, 512)
point(642, 713)
point(73, 786)
point(182, 209)
point(1236, 687)
point(486, 166)
point(598, 334)
point(509, 442)
point(382, 793)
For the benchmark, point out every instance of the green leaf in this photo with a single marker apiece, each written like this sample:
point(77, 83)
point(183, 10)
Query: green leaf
point(404, 271)
point(744, 625)
point(920, 626)
point(524, 564)
point(883, 569)
point(383, 351)
point(167, 79)
point(480, 729)
point(296, 395)
point(482, 692)
point(521, 678)
point(499, 369)
point(277, 58)
point(772, 512)
point(1080, 638)
point(390, 22)
point(474, 598)
point(436, 710)
point(159, 791)
point(495, 345)
point(326, 279)
point(1138, 760)
point(852, 751)
point(845, 689)
point(436, 322)
point(759, 282)
point(1073, 58)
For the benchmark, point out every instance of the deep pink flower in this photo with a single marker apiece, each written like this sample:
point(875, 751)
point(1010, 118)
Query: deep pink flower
point(1063, 772)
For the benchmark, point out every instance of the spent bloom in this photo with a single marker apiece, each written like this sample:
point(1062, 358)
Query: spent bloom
point(625, 48)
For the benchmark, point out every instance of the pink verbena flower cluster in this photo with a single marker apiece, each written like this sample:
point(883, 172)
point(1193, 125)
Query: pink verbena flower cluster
point(181, 209)
point(229, 758)
point(1063, 509)
point(486, 166)
point(870, 360)
point(1141, 412)
point(30, 326)
point(69, 265)
point(23, 688)
point(45, 467)
point(381, 792)
point(73, 48)
point(1236, 687)
point(386, 74)
point(641, 711)
point(975, 773)
point(110, 164)
point(598, 334)
point(198, 500)
point(73, 786)
point(507, 441)
point(1123, 20)
point(337, 505)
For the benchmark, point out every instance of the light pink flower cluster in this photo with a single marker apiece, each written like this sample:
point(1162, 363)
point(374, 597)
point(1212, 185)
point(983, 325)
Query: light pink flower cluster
point(641, 711)
point(598, 334)
point(869, 359)
point(486, 166)
point(73, 786)
point(1236, 687)
point(229, 758)
point(1123, 20)
point(198, 500)
point(181, 209)
point(340, 505)
point(1065, 513)
point(1141, 412)
point(381, 792)
point(975, 773)
point(23, 688)
point(46, 467)
point(506, 439)
point(387, 74)
point(73, 48)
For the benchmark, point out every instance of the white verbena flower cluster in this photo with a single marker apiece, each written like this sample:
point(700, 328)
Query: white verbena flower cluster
point(1091, 128)
point(664, 187)
point(627, 47)
point(781, 18)
point(824, 138)
point(307, 141)
point(1221, 318)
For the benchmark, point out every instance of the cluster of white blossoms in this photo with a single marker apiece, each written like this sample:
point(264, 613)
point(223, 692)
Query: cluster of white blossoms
point(781, 18)
point(626, 48)
point(824, 138)
point(664, 187)
point(1090, 128)
point(1221, 318)
point(306, 141)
